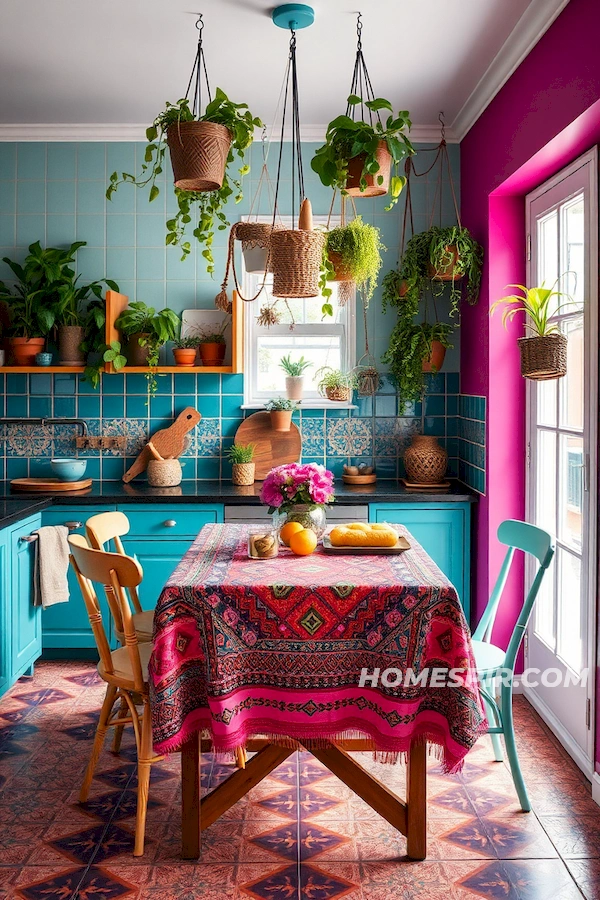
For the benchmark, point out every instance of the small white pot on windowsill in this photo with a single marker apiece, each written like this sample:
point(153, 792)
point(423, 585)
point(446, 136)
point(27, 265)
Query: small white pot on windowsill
point(294, 386)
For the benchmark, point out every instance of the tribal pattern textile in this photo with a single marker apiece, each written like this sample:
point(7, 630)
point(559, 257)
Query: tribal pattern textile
point(276, 647)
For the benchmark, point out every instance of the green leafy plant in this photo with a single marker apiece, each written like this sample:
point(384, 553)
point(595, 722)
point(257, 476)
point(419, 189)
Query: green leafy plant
point(280, 403)
point(536, 303)
point(189, 342)
point(395, 293)
point(294, 368)
point(359, 248)
point(240, 453)
point(107, 353)
point(346, 139)
point(154, 330)
point(411, 344)
point(335, 378)
point(208, 207)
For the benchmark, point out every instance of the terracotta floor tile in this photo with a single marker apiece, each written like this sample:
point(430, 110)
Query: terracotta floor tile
point(586, 873)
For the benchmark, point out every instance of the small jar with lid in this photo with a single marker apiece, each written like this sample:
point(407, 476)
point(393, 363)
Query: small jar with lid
point(262, 542)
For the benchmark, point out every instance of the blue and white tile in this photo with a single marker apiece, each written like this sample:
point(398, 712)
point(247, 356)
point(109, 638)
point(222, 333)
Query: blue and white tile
point(313, 436)
point(135, 430)
point(349, 437)
point(29, 440)
point(207, 438)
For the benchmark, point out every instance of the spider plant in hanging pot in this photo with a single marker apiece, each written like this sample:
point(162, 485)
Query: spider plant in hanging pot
point(544, 350)
point(335, 384)
point(352, 253)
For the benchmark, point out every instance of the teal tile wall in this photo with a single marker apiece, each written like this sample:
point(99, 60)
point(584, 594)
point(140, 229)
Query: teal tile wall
point(55, 192)
point(472, 441)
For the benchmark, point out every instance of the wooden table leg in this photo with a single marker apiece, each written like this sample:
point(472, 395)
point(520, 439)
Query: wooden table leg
point(190, 798)
point(416, 802)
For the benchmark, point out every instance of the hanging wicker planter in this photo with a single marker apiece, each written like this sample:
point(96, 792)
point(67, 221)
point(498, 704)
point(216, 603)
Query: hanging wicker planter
point(425, 461)
point(373, 188)
point(296, 260)
point(543, 358)
point(341, 393)
point(199, 153)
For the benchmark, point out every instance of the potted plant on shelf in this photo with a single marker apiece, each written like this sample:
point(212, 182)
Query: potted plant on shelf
point(335, 384)
point(202, 151)
point(146, 331)
point(281, 410)
point(242, 468)
point(352, 253)
point(185, 349)
point(357, 156)
point(78, 320)
point(414, 349)
point(294, 375)
point(212, 344)
point(544, 350)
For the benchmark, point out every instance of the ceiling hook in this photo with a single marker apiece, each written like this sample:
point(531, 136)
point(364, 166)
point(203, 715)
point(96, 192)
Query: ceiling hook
point(359, 27)
point(442, 123)
point(199, 22)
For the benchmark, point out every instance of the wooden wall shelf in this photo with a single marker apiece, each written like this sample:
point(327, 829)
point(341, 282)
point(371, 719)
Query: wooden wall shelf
point(39, 370)
point(165, 370)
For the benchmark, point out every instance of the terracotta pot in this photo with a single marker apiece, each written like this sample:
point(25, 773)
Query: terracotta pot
point(185, 356)
point(425, 461)
point(436, 360)
point(137, 355)
point(403, 289)
point(294, 385)
point(25, 350)
point(243, 473)
point(342, 273)
point(281, 419)
point(198, 154)
point(212, 354)
point(447, 271)
point(69, 339)
point(373, 188)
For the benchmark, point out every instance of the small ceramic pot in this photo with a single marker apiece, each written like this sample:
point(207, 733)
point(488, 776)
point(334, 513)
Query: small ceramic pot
point(281, 419)
point(184, 356)
point(164, 472)
point(294, 385)
point(43, 359)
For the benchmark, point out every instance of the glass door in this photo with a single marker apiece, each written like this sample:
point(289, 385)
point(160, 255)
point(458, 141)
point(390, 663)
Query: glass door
point(562, 428)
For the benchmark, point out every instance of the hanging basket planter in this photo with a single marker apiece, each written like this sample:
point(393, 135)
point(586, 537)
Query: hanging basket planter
point(341, 272)
point(436, 360)
point(446, 268)
point(296, 259)
point(543, 358)
point(373, 187)
point(199, 152)
point(256, 245)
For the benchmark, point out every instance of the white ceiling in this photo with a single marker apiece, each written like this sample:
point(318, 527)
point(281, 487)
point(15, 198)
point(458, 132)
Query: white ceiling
point(117, 61)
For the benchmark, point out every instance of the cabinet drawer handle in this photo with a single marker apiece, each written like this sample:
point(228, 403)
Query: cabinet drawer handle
point(170, 523)
point(30, 538)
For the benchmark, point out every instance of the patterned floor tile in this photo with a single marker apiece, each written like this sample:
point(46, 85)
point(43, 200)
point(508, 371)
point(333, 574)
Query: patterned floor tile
point(95, 844)
point(91, 884)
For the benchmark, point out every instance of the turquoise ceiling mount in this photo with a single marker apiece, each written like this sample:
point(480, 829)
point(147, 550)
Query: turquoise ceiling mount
point(293, 16)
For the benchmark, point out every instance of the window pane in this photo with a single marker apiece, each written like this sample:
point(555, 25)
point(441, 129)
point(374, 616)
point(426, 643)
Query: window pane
point(545, 488)
point(544, 610)
point(292, 310)
point(571, 490)
point(321, 351)
point(570, 644)
point(572, 385)
point(572, 247)
point(546, 402)
point(548, 249)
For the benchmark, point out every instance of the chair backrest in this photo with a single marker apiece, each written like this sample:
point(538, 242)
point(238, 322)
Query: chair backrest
point(97, 566)
point(105, 527)
point(539, 544)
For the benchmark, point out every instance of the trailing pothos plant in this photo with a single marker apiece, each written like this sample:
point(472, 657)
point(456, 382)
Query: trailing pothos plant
point(411, 344)
point(358, 246)
point(154, 330)
point(346, 138)
point(208, 207)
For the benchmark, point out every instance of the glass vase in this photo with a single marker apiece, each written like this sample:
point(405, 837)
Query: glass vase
point(313, 517)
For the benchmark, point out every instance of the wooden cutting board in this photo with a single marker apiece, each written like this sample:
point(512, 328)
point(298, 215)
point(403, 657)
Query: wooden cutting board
point(273, 448)
point(49, 485)
point(170, 442)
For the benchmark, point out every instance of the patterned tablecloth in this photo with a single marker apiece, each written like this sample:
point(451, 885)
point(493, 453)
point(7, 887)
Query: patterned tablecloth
point(249, 647)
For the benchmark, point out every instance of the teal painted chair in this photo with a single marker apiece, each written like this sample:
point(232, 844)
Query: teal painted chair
point(491, 660)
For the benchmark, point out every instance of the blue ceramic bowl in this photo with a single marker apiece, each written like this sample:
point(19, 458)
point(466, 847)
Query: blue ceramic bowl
point(68, 469)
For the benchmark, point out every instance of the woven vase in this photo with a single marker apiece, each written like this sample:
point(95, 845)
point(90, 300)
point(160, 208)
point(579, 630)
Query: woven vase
point(256, 245)
point(243, 473)
point(425, 461)
point(199, 153)
point(543, 358)
point(296, 260)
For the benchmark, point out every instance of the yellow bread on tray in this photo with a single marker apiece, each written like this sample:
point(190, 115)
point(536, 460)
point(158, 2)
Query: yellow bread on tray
point(359, 534)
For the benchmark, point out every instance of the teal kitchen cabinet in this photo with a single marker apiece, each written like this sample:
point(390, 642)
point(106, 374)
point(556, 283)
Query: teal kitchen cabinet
point(444, 531)
point(66, 626)
point(5, 613)
point(26, 623)
point(159, 537)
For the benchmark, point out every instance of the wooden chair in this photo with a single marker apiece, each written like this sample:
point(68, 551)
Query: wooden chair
point(493, 661)
point(101, 530)
point(125, 670)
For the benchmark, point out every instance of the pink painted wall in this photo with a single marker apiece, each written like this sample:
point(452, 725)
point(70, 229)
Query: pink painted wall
point(546, 115)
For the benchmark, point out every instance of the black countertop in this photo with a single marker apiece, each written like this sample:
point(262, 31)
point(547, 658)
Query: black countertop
point(14, 507)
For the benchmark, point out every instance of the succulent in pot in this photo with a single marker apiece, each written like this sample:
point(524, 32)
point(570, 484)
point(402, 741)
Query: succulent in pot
point(185, 349)
point(357, 156)
point(202, 151)
point(146, 331)
point(242, 467)
point(212, 344)
point(294, 375)
point(544, 348)
point(281, 409)
point(352, 253)
point(335, 384)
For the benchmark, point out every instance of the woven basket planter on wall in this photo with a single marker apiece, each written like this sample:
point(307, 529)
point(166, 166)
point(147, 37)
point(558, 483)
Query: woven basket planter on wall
point(296, 260)
point(425, 461)
point(243, 473)
point(373, 188)
point(543, 358)
point(199, 153)
point(256, 245)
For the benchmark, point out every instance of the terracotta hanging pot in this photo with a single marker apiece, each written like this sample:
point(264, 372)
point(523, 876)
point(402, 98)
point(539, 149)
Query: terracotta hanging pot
point(212, 354)
point(445, 270)
point(25, 350)
point(199, 153)
point(435, 362)
point(70, 338)
point(543, 358)
point(342, 272)
point(402, 289)
point(425, 461)
point(373, 188)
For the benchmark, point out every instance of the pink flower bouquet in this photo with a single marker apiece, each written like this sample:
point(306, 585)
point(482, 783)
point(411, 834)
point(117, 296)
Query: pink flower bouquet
point(286, 486)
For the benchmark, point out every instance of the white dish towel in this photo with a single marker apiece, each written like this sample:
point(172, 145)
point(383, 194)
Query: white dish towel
point(51, 566)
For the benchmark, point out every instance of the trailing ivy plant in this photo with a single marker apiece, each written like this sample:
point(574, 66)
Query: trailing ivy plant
point(346, 139)
point(410, 344)
point(359, 247)
point(206, 207)
point(154, 330)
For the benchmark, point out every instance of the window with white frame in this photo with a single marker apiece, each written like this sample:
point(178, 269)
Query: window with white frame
point(301, 332)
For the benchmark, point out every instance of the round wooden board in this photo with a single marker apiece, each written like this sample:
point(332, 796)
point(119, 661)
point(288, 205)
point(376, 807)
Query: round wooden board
point(49, 485)
point(273, 448)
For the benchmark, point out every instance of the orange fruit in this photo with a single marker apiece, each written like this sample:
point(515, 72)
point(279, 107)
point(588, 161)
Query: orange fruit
point(288, 530)
point(303, 542)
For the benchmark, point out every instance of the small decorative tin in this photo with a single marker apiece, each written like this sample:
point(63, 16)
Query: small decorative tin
point(43, 359)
